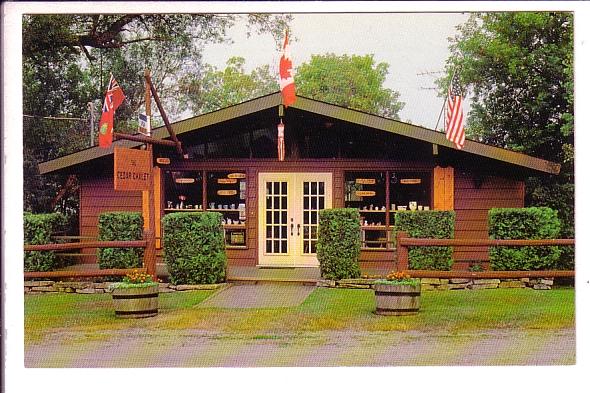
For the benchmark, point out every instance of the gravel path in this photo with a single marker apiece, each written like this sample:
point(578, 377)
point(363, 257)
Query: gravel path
point(195, 348)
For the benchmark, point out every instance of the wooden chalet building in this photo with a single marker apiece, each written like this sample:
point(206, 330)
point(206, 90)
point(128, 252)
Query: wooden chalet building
point(335, 157)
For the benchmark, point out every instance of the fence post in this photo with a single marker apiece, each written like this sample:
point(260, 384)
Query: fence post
point(402, 252)
point(149, 255)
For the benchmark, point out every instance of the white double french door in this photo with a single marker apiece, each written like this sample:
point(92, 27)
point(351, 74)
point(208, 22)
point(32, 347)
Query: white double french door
point(288, 216)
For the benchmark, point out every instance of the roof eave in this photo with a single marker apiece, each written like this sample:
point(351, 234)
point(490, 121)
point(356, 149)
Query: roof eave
point(425, 134)
point(318, 107)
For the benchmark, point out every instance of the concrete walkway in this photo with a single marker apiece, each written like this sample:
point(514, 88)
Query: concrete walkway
point(259, 296)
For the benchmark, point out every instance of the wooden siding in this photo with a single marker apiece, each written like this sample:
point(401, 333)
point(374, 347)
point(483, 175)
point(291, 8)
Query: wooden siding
point(443, 180)
point(474, 196)
point(97, 196)
point(472, 199)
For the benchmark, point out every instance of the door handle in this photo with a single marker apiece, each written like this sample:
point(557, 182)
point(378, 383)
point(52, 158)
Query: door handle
point(292, 226)
point(298, 226)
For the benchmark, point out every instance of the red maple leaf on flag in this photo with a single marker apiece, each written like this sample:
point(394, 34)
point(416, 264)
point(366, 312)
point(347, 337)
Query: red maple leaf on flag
point(286, 80)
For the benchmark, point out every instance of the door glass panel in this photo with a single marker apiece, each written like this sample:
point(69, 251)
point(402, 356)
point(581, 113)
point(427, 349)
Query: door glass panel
point(276, 218)
point(313, 202)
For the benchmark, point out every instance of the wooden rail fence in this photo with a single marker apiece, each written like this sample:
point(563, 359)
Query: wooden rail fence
point(404, 242)
point(149, 257)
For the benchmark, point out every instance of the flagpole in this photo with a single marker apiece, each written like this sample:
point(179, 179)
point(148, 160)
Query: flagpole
point(150, 228)
point(444, 102)
point(440, 114)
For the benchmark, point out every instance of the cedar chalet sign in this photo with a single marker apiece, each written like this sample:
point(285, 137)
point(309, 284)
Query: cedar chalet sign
point(132, 169)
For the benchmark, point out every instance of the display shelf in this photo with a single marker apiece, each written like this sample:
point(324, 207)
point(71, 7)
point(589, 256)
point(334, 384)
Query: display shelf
point(374, 227)
point(183, 210)
point(373, 211)
point(234, 226)
point(224, 210)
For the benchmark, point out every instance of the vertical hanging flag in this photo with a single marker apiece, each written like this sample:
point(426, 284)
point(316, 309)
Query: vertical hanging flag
point(286, 81)
point(114, 97)
point(281, 141)
point(454, 119)
point(144, 125)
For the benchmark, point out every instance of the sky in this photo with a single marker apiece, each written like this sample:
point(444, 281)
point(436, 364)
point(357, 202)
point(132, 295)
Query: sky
point(411, 43)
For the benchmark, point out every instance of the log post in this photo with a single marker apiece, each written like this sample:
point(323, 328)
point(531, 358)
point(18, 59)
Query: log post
point(402, 252)
point(149, 256)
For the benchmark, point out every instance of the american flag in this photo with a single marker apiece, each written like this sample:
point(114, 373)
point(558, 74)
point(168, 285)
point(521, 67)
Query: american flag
point(281, 141)
point(454, 119)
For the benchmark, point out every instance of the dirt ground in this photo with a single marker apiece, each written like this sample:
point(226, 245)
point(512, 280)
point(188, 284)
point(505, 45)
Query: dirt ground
point(194, 348)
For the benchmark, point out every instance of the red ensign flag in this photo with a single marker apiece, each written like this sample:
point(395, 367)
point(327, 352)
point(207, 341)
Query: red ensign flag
point(286, 81)
point(112, 100)
point(454, 118)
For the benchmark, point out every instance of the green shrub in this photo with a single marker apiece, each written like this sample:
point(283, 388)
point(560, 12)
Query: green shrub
point(38, 229)
point(194, 248)
point(339, 243)
point(523, 223)
point(431, 224)
point(120, 226)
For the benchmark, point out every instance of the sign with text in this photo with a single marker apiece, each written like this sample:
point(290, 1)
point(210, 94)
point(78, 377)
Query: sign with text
point(236, 175)
point(365, 193)
point(365, 181)
point(410, 181)
point(133, 169)
point(227, 181)
point(226, 192)
point(184, 180)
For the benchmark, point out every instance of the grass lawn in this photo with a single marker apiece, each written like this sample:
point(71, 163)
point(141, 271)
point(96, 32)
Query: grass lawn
point(324, 310)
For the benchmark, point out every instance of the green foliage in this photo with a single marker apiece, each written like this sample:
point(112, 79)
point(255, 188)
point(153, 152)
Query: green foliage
point(124, 285)
point(38, 229)
point(66, 64)
point(476, 267)
point(406, 281)
point(431, 224)
point(354, 82)
point(339, 243)
point(519, 68)
point(398, 278)
point(217, 89)
point(120, 226)
point(194, 248)
point(523, 223)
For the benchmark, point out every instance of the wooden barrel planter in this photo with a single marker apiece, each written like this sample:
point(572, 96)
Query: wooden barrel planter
point(136, 302)
point(397, 299)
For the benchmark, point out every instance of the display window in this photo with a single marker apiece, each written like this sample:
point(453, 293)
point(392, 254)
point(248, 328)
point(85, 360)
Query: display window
point(225, 193)
point(378, 195)
point(183, 190)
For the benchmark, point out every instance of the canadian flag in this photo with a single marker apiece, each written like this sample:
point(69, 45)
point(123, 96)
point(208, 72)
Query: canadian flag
point(286, 81)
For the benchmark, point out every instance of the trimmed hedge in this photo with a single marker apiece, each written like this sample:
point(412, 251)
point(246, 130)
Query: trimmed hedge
point(38, 229)
point(194, 248)
point(120, 226)
point(524, 223)
point(339, 243)
point(431, 224)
